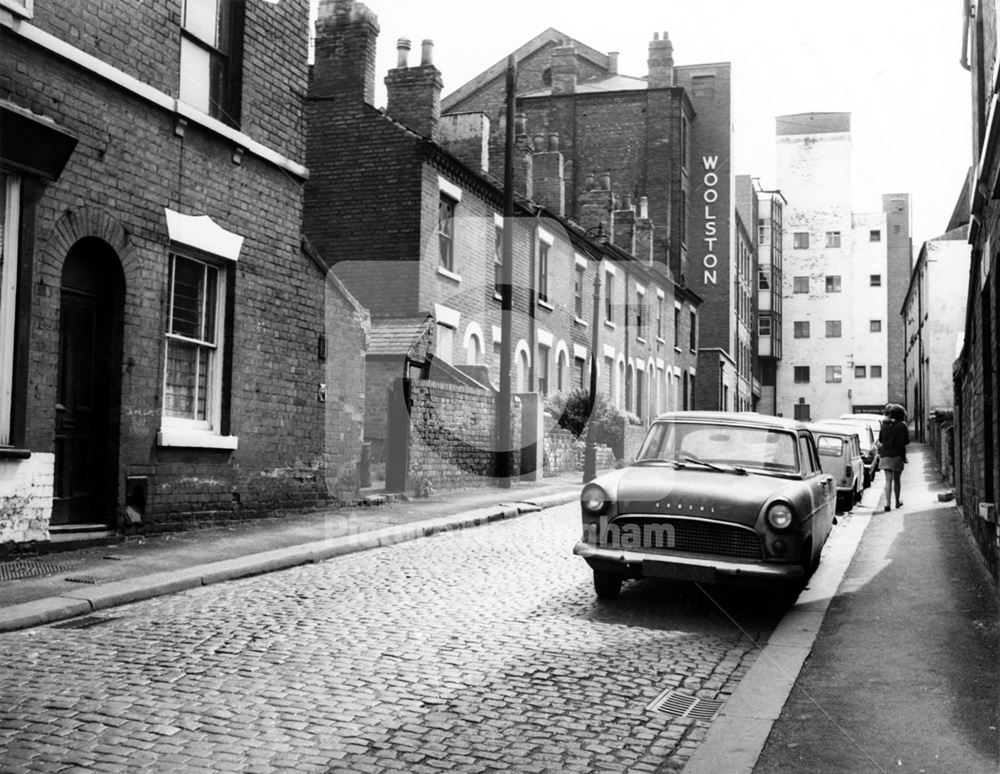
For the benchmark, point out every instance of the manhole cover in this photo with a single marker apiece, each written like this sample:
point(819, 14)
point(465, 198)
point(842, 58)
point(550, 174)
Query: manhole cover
point(681, 705)
point(86, 622)
point(29, 568)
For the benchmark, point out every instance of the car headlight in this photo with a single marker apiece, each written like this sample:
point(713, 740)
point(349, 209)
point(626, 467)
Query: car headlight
point(593, 499)
point(779, 517)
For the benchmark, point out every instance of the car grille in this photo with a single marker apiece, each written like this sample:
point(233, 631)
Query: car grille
point(685, 535)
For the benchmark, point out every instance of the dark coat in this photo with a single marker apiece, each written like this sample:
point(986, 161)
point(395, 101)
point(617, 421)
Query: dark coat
point(893, 438)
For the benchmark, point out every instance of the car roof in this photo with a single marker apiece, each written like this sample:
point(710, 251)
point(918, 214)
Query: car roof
point(848, 423)
point(869, 417)
point(823, 427)
point(735, 417)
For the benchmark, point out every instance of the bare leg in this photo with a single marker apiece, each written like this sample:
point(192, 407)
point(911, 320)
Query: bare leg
point(897, 475)
point(888, 489)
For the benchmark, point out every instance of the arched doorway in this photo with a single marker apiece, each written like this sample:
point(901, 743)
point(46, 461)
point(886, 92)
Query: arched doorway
point(88, 390)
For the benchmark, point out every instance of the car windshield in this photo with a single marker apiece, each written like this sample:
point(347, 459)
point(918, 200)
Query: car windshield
point(729, 445)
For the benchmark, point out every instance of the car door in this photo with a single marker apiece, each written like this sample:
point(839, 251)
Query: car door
point(822, 489)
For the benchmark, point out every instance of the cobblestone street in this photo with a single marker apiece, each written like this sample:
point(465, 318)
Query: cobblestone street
point(477, 650)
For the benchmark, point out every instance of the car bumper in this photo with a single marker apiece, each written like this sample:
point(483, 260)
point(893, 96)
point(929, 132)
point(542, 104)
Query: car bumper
point(640, 564)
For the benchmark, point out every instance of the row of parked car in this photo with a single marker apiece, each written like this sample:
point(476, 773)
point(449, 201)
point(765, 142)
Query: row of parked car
point(722, 497)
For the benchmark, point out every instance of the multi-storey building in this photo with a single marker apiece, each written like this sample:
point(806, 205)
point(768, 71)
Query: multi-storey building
point(770, 235)
point(977, 386)
point(933, 323)
point(666, 136)
point(836, 305)
point(159, 316)
point(405, 202)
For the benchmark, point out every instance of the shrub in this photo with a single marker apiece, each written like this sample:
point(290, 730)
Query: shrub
point(571, 410)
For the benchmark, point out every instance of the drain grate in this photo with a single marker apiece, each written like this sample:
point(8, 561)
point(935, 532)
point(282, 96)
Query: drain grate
point(85, 578)
point(29, 568)
point(86, 622)
point(681, 705)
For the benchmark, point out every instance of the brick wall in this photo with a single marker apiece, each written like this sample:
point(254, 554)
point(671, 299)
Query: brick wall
point(25, 499)
point(132, 160)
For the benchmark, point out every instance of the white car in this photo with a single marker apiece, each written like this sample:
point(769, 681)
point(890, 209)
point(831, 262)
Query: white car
point(839, 448)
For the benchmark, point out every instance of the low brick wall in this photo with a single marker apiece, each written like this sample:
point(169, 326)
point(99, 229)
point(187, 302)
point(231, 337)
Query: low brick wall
point(565, 454)
point(453, 437)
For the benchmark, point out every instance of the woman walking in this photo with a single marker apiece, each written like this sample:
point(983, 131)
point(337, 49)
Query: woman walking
point(892, 440)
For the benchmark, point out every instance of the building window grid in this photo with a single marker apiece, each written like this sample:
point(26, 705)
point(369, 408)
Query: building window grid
point(800, 284)
point(875, 280)
point(609, 287)
point(801, 329)
point(800, 240)
point(446, 232)
point(498, 260)
point(834, 374)
point(833, 329)
point(10, 208)
point(640, 318)
point(833, 284)
point(543, 271)
point(208, 78)
point(833, 239)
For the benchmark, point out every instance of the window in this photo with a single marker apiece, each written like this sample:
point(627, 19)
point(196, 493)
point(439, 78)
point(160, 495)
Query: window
point(833, 329)
point(542, 370)
point(21, 7)
point(800, 284)
point(609, 288)
point(498, 260)
point(677, 327)
point(543, 271)
point(801, 374)
point(446, 232)
point(834, 373)
point(581, 273)
point(875, 372)
point(693, 319)
point(801, 328)
point(833, 283)
point(211, 41)
point(659, 318)
point(192, 378)
point(581, 371)
point(875, 280)
point(801, 412)
point(875, 235)
point(561, 372)
point(860, 372)
point(763, 281)
point(684, 216)
point(762, 234)
point(640, 315)
point(640, 397)
point(763, 326)
point(875, 326)
point(833, 239)
point(703, 86)
point(800, 240)
point(10, 207)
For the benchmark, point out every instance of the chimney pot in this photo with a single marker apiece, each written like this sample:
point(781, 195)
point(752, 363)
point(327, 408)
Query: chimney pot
point(520, 125)
point(644, 207)
point(612, 63)
point(427, 52)
point(554, 142)
point(402, 51)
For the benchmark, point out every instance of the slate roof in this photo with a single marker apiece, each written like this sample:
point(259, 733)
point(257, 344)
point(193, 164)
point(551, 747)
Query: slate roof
point(396, 336)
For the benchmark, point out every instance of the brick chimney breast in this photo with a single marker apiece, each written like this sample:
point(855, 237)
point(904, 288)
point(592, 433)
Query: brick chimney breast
point(564, 69)
point(346, 34)
point(661, 62)
point(414, 94)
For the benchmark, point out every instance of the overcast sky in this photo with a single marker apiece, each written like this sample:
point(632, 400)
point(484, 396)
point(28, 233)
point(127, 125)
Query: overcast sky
point(893, 64)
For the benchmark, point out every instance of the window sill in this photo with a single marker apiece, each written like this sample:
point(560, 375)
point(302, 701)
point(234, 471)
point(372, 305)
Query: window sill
point(449, 274)
point(546, 305)
point(640, 339)
point(609, 325)
point(677, 349)
point(660, 340)
point(11, 453)
point(581, 321)
point(196, 439)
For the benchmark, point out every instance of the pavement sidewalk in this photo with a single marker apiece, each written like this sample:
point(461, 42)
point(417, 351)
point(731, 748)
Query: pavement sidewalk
point(42, 588)
point(889, 661)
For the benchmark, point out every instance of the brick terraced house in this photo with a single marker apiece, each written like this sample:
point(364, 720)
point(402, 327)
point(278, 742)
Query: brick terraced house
point(170, 353)
point(405, 202)
point(665, 136)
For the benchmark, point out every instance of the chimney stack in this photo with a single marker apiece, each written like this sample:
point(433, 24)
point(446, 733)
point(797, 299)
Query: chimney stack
point(414, 93)
point(344, 69)
point(661, 62)
point(466, 136)
point(549, 180)
point(564, 69)
point(612, 63)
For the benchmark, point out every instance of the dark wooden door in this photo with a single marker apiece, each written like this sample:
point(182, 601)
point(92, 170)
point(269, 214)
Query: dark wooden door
point(86, 458)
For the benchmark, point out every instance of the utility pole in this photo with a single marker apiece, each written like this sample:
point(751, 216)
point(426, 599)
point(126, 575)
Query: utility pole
point(504, 453)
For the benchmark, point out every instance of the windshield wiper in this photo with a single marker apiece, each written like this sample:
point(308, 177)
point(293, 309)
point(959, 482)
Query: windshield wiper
point(659, 460)
point(713, 466)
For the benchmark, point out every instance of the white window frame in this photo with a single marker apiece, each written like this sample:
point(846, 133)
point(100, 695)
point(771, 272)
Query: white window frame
point(23, 8)
point(8, 298)
point(200, 239)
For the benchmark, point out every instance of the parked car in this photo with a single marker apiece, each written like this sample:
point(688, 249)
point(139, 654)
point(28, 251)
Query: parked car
point(839, 450)
point(712, 497)
point(869, 444)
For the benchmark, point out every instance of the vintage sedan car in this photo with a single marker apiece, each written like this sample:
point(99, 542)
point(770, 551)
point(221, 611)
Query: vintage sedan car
point(869, 444)
point(839, 450)
point(712, 497)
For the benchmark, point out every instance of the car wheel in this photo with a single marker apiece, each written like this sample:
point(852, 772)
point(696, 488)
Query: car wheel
point(857, 495)
point(607, 585)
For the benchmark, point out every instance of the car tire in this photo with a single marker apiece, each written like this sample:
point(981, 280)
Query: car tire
point(607, 584)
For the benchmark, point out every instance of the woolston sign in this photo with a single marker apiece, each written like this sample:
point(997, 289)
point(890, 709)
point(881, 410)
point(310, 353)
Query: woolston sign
point(710, 195)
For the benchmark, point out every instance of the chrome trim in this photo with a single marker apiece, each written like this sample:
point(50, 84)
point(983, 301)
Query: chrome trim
point(721, 566)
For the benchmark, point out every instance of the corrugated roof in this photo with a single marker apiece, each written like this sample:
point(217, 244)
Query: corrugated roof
point(395, 336)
